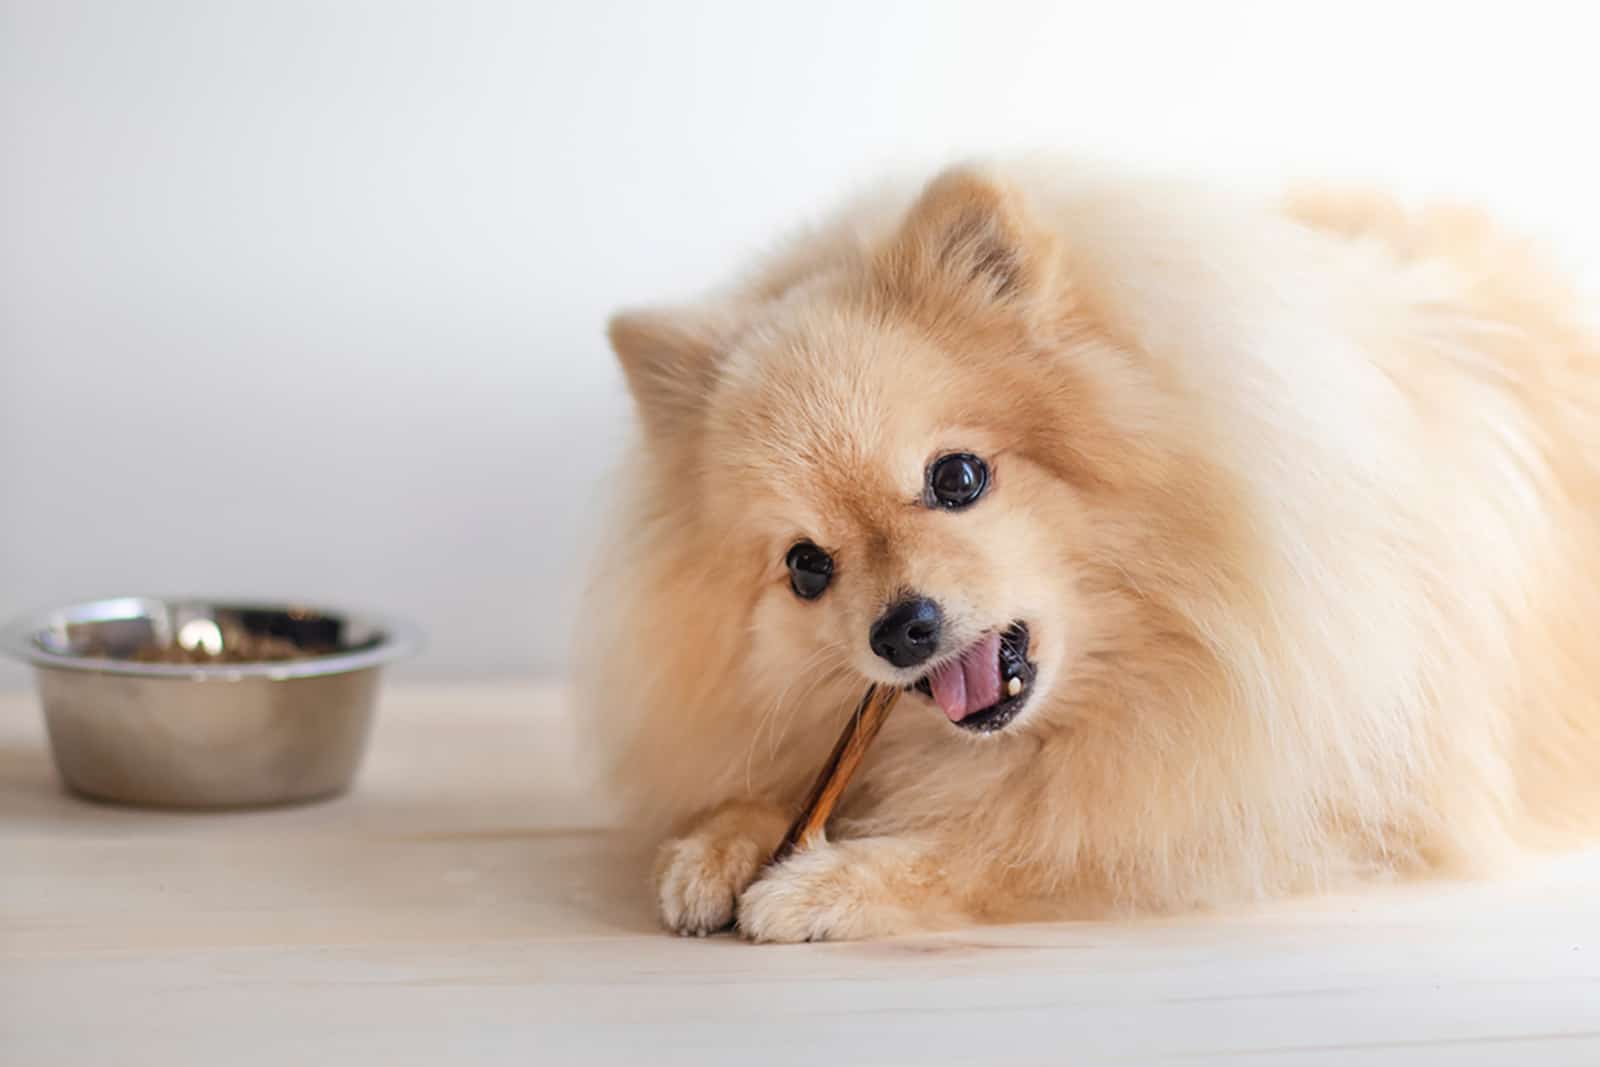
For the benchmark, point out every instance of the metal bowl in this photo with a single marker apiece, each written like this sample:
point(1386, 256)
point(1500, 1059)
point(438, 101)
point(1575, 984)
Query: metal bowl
point(206, 734)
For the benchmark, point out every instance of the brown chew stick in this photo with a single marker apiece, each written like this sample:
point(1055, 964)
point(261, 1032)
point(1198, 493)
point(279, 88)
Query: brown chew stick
point(841, 766)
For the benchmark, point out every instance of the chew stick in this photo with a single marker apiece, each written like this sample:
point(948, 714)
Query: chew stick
point(858, 733)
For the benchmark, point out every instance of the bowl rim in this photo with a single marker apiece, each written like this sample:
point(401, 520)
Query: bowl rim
point(398, 640)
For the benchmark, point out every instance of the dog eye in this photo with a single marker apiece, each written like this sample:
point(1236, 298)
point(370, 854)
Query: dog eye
point(956, 481)
point(810, 570)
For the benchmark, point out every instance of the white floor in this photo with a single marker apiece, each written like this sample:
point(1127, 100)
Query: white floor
point(463, 905)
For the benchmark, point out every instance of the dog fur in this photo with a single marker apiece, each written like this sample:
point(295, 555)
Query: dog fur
point(1300, 497)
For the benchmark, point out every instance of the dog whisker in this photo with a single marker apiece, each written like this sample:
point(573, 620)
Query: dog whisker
point(813, 671)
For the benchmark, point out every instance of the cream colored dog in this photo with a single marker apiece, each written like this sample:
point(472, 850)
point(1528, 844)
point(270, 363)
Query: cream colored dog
point(1232, 548)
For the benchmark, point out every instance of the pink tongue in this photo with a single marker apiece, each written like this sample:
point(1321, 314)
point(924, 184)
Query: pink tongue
point(970, 683)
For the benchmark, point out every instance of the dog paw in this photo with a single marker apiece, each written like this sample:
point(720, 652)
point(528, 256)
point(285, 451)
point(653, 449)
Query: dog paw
point(699, 877)
point(827, 893)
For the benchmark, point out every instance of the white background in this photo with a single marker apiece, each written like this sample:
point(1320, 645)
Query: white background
point(305, 299)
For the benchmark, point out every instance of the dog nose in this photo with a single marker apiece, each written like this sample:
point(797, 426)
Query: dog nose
point(908, 633)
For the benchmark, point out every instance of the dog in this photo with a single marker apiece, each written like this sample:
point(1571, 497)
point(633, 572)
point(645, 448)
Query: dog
point(1228, 545)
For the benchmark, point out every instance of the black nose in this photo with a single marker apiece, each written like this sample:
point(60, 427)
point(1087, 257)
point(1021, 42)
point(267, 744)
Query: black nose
point(908, 633)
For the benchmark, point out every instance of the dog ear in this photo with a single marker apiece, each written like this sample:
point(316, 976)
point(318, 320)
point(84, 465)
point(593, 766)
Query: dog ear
point(969, 233)
point(669, 358)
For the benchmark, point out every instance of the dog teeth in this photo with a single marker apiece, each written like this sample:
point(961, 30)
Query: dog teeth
point(1014, 687)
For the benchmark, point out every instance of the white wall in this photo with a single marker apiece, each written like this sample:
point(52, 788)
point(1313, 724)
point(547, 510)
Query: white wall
point(305, 298)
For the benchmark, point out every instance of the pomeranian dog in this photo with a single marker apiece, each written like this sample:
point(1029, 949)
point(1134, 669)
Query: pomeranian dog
point(1228, 546)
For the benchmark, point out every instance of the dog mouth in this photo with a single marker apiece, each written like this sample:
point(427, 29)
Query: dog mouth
point(986, 684)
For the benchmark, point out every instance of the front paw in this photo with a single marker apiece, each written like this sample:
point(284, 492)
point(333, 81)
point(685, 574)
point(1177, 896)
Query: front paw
point(831, 892)
point(700, 876)
point(699, 880)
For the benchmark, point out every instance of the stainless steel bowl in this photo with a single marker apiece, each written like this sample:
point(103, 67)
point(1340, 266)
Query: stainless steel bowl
point(206, 735)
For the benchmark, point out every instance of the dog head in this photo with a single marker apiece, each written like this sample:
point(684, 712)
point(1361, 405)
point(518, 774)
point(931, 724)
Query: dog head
point(912, 458)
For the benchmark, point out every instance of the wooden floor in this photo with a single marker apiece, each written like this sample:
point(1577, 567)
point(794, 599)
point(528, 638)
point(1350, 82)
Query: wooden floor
point(465, 905)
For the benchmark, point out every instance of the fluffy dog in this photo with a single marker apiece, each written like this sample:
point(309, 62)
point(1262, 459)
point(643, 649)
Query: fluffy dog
point(1231, 546)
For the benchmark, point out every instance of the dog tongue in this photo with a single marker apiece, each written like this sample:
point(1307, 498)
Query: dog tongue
point(970, 683)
